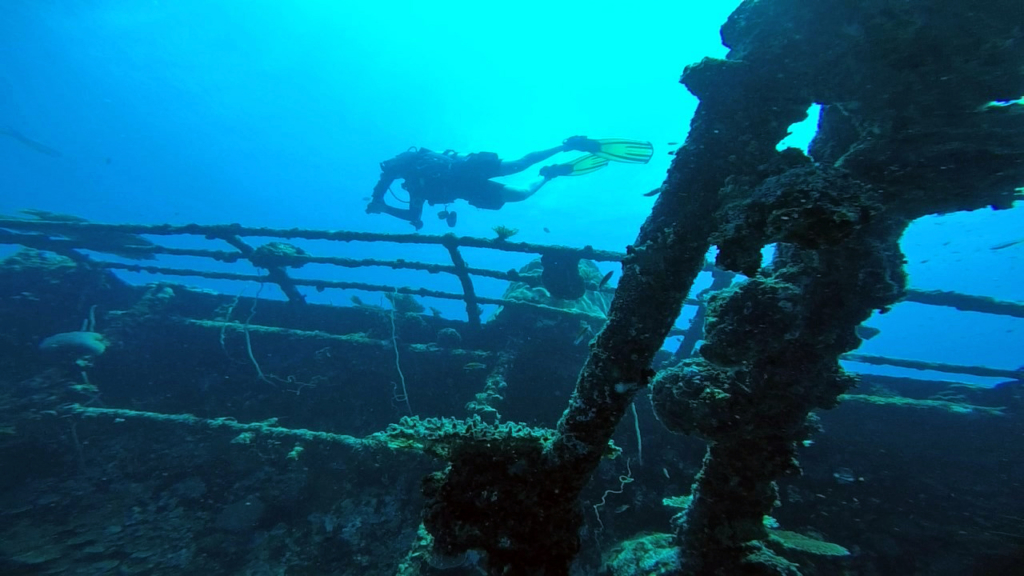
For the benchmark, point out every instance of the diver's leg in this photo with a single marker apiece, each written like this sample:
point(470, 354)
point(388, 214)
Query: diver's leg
point(512, 166)
point(578, 143)
point(520, 193)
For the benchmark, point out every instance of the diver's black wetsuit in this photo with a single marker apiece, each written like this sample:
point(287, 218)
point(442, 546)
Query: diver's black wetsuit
point(444, 177)
point(440, 178)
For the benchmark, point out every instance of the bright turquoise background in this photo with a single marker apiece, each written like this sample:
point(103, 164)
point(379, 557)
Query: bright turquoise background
point(277, 114)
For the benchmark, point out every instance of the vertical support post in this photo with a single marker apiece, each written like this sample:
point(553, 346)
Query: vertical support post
point(472, 309)
point(720, 280)
point(276, 274)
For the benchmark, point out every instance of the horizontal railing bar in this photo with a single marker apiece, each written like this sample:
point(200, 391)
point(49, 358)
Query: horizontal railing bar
point(966, 302)
point(873, 360)
point(230, 425)
point(902, 402)
point(959, 301)
point(935, 366)
point(46, 243)
point(323, 284)
point(865, 359)
point(224, 230)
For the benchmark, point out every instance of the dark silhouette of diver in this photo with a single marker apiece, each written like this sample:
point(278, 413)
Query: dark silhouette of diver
point(444, 177)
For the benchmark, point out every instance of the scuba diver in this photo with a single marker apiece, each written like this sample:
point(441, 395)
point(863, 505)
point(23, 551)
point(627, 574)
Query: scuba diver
point(444, 177)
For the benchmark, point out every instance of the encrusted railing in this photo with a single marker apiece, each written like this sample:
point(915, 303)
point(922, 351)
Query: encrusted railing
point(68, 236)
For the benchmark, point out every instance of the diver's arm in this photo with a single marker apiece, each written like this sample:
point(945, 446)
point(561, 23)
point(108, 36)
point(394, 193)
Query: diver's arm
point(513, 166)
point(412, 214)
point(385, 181)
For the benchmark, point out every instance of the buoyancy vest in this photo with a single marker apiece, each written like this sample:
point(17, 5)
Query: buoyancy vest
point(425, 172)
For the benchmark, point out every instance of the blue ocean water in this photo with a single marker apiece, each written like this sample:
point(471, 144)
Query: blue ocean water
point(158, 430)
point(277, 114)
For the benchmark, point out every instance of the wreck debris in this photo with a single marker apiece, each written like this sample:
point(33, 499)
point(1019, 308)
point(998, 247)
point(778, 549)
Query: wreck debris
point(774, 341)
point(892, 148)
point(884, 175)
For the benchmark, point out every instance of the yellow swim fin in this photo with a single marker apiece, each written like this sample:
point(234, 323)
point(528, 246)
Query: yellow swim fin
point(629, 151)
point(578, 167)
point(586, 165)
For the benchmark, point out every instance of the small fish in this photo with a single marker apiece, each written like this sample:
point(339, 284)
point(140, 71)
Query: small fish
point(1007, 244)
point(605, 280)
point(673, 143)
point(29, 143)
point(583, 333)
point(621, 509)
point(844, 476)
point(82, 343)
point(654, 192)
point(546, 230)
point(665, 472)
point(474, 366)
